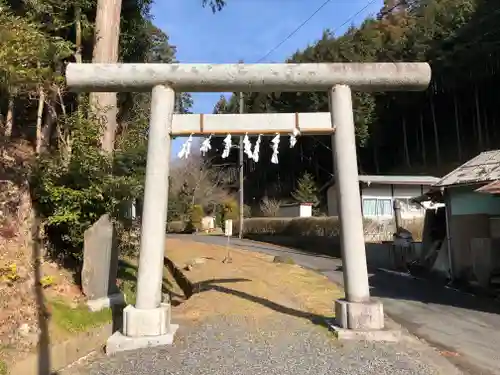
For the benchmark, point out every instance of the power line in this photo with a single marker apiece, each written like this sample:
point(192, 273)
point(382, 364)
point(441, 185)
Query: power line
point(294, 31)
point(325, 3)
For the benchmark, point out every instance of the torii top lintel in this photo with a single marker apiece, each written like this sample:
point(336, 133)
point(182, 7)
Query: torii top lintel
point(248, 77)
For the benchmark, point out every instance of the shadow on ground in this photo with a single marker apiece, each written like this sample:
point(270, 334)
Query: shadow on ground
point(189, 289)
point(395, 286)
point(208, 285)
point(44, 359)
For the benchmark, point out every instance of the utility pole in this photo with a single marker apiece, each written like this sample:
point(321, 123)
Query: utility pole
point(242, 175)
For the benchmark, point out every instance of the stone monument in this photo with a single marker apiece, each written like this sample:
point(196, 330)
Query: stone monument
point(100, 265)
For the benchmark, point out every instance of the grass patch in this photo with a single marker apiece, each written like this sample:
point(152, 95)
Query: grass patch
point(127, 275)
point(3, 368)
point(79, 318)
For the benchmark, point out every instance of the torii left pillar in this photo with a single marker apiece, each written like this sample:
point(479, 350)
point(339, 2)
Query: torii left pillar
point(148, 322)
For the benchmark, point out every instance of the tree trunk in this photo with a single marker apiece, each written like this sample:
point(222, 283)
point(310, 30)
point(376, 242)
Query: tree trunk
point(457, 127)
point(9, 120)
point(375, 154)
point(39, 116)
point(478, 121)
point(436, 135)
point(106, 43)
point(65, 134)
point(50, 120)
point(424, 156)
point(405, 139)
point(486, 130)
point(78, 34)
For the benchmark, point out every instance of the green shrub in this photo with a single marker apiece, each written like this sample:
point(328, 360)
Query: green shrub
point(195, 218)
point(177, 226)
point(307, 226)
point(229, 211)
point(247, 211)
point(73, 187)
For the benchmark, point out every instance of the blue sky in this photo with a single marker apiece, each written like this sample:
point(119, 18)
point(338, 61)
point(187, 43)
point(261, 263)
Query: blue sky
point(247, 30)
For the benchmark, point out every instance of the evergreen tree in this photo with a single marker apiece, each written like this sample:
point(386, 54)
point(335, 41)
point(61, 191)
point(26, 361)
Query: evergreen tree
point(307, 191)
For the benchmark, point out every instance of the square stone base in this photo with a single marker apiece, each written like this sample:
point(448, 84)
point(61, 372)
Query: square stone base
point(359, 315)
point(118, 342)
point(146, 322)
point(105, 302)
point(143, 328)
point(361, 321)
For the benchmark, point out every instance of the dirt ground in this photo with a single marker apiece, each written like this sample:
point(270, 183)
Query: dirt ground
point(250, 285)
point(19, 308)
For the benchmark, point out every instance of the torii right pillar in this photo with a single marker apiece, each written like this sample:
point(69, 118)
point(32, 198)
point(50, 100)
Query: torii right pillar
point(357, 311)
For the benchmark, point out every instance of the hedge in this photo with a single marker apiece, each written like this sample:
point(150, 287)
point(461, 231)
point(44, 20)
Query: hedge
point(324, 226)
point(301, 226)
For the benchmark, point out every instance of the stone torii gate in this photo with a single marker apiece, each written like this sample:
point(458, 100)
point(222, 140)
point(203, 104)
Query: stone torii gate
point(148, 322)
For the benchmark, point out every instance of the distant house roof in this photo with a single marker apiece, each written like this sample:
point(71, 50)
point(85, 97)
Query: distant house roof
point(485, 167)
point(391, 180)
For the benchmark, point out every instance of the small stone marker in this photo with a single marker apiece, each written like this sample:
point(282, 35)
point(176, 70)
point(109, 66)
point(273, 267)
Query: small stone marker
point(100, 265)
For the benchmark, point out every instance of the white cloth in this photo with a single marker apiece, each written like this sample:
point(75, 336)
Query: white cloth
point(227, 146)
point(275, 145)
point(186, 148)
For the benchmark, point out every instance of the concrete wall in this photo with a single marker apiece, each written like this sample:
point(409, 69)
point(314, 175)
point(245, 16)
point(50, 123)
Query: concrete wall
point(383, 191)
point(470, 219)
point(463, 228)
point(464, 201)
point(378, 255)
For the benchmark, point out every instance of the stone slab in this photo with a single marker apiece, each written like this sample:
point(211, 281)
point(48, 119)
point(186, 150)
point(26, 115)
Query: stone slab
point(105, 302)
point(100, 259)
point(118, 342)
point(382, 335)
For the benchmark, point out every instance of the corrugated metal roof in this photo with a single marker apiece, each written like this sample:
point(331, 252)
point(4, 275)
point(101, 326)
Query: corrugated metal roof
point(391, 180)
point(398, 180)
point(491, 188)
point(483, 168)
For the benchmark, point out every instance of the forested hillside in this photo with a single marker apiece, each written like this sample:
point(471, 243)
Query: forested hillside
point(425, 133)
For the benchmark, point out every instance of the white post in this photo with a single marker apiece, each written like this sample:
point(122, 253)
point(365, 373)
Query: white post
point(154, 218)
point(148, 322)
point(347, 183)
point(357, 311)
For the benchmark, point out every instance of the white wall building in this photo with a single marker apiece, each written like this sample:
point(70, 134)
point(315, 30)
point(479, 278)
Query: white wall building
point(378, 194)
point(295, 210)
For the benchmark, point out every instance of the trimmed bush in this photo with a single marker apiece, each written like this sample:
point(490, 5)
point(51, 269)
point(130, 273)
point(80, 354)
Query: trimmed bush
point(327, 226)
point(176, 226)
point(324, 226)
point(195, 218)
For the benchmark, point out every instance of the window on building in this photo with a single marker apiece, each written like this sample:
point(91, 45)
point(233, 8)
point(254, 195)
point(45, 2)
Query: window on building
point(384, 207)
point(370, 207)
point(377, 207)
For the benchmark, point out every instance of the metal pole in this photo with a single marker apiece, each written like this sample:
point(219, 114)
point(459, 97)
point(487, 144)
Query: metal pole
point(242, 172)
point(154, 218)
point(347, 182)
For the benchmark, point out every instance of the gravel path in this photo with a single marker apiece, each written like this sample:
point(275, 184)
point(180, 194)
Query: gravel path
point(276, 345)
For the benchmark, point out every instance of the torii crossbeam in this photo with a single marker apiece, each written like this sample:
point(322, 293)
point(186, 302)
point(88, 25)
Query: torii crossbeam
point(148, 322)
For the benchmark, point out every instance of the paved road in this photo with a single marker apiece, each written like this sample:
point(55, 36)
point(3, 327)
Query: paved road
point(450, 320)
